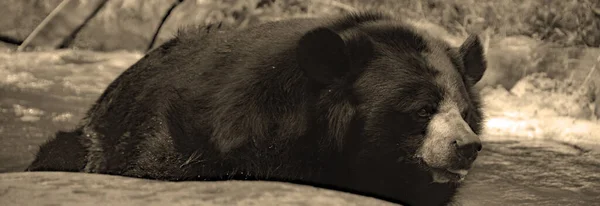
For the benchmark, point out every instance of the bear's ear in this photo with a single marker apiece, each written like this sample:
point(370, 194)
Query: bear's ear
point(473, 58)
point(322, 54)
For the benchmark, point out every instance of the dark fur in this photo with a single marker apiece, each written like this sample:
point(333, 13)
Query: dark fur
point(217, 104)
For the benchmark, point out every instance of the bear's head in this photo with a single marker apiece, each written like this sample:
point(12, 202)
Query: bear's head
point(400, 98)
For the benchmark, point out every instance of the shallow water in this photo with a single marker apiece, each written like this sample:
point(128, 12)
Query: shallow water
point(38, 97)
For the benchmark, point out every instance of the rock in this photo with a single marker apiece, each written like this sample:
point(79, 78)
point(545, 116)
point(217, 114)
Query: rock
point(131, 24)
point(509, 59)
point(7, 47)
point(512, 58)
point(187, 13)
point(61, 188)
point(27, 14)
point(119, 24)
point(123, 24)
point(563, 97)
point(537, 108)
point(30, 13)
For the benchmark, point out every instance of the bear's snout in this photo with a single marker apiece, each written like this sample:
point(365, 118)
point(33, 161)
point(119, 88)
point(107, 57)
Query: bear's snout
point(467, 147)
point(450, 146)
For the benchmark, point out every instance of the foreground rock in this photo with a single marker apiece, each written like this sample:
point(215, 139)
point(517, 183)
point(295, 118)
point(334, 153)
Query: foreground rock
point(57, 188)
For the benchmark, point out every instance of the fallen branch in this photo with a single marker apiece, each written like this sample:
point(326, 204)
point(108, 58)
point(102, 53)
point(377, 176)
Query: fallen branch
point(43, 24)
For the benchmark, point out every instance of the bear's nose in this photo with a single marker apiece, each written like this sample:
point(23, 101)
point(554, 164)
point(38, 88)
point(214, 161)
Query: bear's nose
point(467, 148)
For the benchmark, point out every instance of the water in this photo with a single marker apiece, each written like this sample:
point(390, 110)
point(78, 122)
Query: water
point(533, 173)
point(509, 171)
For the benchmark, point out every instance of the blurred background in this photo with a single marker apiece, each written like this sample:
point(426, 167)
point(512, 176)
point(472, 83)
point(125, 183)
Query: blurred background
point(541, 91)
point(522, 37)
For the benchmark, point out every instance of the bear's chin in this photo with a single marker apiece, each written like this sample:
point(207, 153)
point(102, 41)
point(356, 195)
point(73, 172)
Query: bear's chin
point(448, 175)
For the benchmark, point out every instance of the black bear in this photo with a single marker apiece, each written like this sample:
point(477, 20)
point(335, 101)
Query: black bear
point(363, 103)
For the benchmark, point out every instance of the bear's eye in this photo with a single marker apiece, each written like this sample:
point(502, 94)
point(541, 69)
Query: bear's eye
point(424, 113)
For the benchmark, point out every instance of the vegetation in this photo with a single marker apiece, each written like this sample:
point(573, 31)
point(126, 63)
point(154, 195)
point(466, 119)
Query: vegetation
point(565, 22)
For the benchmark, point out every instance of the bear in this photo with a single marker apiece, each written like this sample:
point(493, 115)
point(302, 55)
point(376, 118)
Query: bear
point(361, 102)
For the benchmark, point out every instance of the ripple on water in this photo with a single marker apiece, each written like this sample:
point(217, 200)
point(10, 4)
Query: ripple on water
point(533, 173)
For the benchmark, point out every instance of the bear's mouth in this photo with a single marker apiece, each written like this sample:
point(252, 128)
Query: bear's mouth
point(444, 174)
point(448, 175)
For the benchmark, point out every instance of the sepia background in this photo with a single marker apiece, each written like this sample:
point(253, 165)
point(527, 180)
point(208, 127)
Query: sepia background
point(541, 91)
